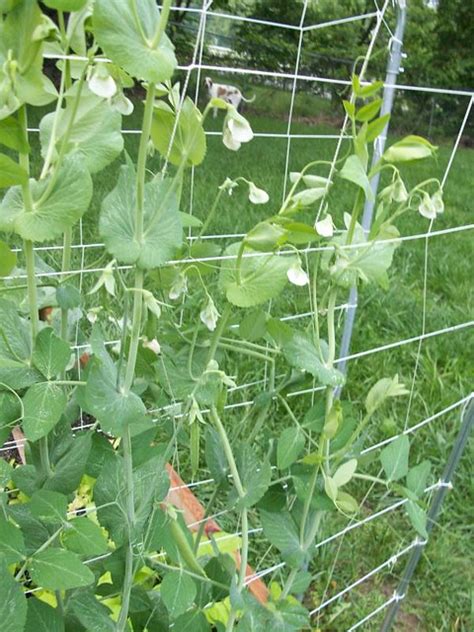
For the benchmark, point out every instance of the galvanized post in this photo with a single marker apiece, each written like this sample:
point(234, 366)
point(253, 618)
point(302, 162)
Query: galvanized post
point(444, 486)
point(393, 68)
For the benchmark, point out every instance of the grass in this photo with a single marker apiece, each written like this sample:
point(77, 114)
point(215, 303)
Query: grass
point(439, 597)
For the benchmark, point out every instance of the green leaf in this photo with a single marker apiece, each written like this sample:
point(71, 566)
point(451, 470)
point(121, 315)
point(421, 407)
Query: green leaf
point(7, 259)
point(6, 471)
point(110, 490)
point(253, 325)
point(369, 111)
point(192, 621)
point(14, 332)
point(349, 108)
point(330, 487)
point(417, 477)
point(93, 615)
point(64, 205)
point(189, 143)
point(68, 296)
point(189, 221)
point(262, 277)
point(256, 476)
point(114, 409)
point(83, 536)
point(394, 458)
point(13, 136)
point(417, 517)
point(49, 507)
point(346, 503)
point(301, 353)
point(178, 592)
point(12, 544)
point(265, 237)
point(309, 196)
point(51, 354)
point(290, 445)
point(126, 32)
point(345, 472)
point(215, 456)
point(43, 618)
point(288, 617)
point(11, 173)
point(382, 390)
point(368, 91)
point(375, 128)
point(12, 602)
point(409, 148)
point(65, 5)
point(44, 404)
point(96, 137)
point(280, 530)
point(58, 569)
point(11, 413)
point(162, 232)
point(69, 469)
point(353, 170)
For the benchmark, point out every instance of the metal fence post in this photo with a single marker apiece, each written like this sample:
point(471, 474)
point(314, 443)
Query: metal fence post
point(393, 68)
point(444, 486)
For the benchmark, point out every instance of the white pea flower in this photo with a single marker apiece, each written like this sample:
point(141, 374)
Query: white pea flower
point(325, 227)
point(256, 195)
point(106, 279)
point(399, 193)
point(228, 185)
point(237, 130)
point(209, 315)
point(427, 207)
point(437, 201)
point(121, 104)
point(297, 275)
point(93, 314)
point(101, 83)
point(180, 286)
point(153, 345)
point(151, 303)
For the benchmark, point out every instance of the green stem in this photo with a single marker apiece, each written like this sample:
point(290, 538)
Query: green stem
point(32, 294)
point(358, 205)
point(65, 267)
point(207, 513)
point(218, 332)
point(165, 13)
point(135, 335)
point(210, 215)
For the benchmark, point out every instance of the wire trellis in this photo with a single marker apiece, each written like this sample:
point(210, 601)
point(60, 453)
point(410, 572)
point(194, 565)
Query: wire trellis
point(291, 137)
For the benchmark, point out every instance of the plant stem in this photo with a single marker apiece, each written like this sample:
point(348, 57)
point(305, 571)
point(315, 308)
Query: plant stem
point(218, 333)
point(210, 215)
point(244, 514)
point(65, 267)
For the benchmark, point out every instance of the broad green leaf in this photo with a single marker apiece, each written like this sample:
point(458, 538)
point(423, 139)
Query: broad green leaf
point(95, 139)
point(309, 196)
point(346, 503)
point(14, 333)
point(65, 5)
point(192, 621)
point(369, 90)
point(44, 404)
point(290, 445)
point(12, 544)
point(83, 536)
point(43, 618)
point(353, 170)
point(394, 458)
point(12, 602)
point(417, 477)
point(35, 533)
point(8, 5)
point(51, 354)
point(162, 232)
point(10, 413)
point(409, 148)
point(5, 473)
point(288, 616)
point(253, 325)
point(417, 517)
point(126, 31)
point(178, 591)
point(256, 476)
point(151, 485)
point(375, 128)
point(265, 237)
point(215, 456)
point(189, 144)
point(369, 111)
point(345, 472)
point(110, 490)
point(16, 374)
point(114, 409)
point(49, 506)
point(91, 613)
point(189, 221)
point(7, 259)
point(64, 205)
point(68, 296)
point(280, 530)
point(58, 569)
point(301, 353)
point(382, 390)
point(11, 173)
point(349, 108)
point(70, 467)
point(262, 277)
point(330, 487)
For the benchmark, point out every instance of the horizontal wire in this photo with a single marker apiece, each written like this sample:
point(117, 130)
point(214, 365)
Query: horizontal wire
point(251, 255)
point(390, 562)
point(372, 614)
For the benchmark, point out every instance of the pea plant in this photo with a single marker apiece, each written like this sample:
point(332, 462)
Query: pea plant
point(89, 536)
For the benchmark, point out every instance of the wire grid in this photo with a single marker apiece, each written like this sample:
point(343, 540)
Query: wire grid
point(198, 66)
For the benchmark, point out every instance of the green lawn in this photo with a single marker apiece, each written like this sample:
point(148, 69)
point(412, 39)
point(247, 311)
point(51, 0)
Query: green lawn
point(440, 597)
